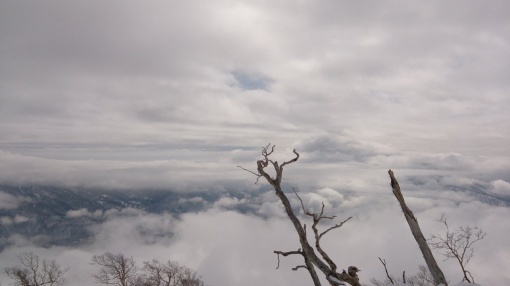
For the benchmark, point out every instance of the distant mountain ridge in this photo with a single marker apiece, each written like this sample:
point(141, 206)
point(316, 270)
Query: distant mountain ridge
point(53, 216)
point(43, 213)
point(481, 193)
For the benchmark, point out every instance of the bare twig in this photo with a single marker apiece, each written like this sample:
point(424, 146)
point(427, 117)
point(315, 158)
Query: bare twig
point(249, 171)
point(458, 245)
point(292, 160)
point(316, 219)
point(36, 271)
point(278, 253)
point(299, 266)
point(335, 226)
point(383, 261)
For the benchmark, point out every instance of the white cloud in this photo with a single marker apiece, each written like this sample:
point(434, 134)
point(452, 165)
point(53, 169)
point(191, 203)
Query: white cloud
point(20, 219)
point(228, 202)
point(84, 212)
point(195, 200)
point(500, 187)
point(268, 209)
point(77, 213)
point(245, 243)
point(5, 220)
point(457, 181)
point(8, 201)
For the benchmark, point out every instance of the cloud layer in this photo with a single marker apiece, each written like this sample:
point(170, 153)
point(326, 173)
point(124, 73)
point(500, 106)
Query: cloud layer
point(229, 248)
point(168, 94)
point(121, 89)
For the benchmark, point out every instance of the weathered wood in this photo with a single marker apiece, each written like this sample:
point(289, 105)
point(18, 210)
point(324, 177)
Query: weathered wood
point(311, 259)
point(434, 269)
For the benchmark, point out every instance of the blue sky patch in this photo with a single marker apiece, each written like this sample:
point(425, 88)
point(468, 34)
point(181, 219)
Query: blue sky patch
point(252, 80)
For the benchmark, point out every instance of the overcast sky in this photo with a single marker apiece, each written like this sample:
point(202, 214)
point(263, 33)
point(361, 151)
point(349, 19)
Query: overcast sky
point(176, 94)
point(95, 87)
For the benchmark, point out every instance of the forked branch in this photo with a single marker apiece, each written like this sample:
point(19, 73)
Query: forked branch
point(458, 245)
point(286, 253)
point(307, 251)
point(316, 219)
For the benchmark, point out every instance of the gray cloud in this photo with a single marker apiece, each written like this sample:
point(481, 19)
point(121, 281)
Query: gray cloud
point(338, 149)
point(176, 95)
point(83, 79)
point(166, 79)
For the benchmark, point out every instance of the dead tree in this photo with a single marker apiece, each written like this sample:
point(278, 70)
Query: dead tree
point(436, 272)
point(115, 269)
point(458, 245)
point(311, 260)
point(168, 274)
point(34, 271)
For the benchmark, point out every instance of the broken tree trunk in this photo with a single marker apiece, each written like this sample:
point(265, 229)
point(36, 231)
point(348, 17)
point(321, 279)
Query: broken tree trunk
point(434, 269)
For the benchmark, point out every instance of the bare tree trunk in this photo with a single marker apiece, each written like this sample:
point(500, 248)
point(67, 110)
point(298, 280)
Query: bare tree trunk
point(308, 253)
point(418, 235)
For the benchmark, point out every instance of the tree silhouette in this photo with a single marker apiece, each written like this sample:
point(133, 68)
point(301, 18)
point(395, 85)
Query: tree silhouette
point(312, 261)
point(36, 272)
point(458, 245)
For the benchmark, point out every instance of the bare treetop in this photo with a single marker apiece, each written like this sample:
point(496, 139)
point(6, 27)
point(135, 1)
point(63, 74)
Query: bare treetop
point(115, 269)
point(34, 271)
point(458, 245)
